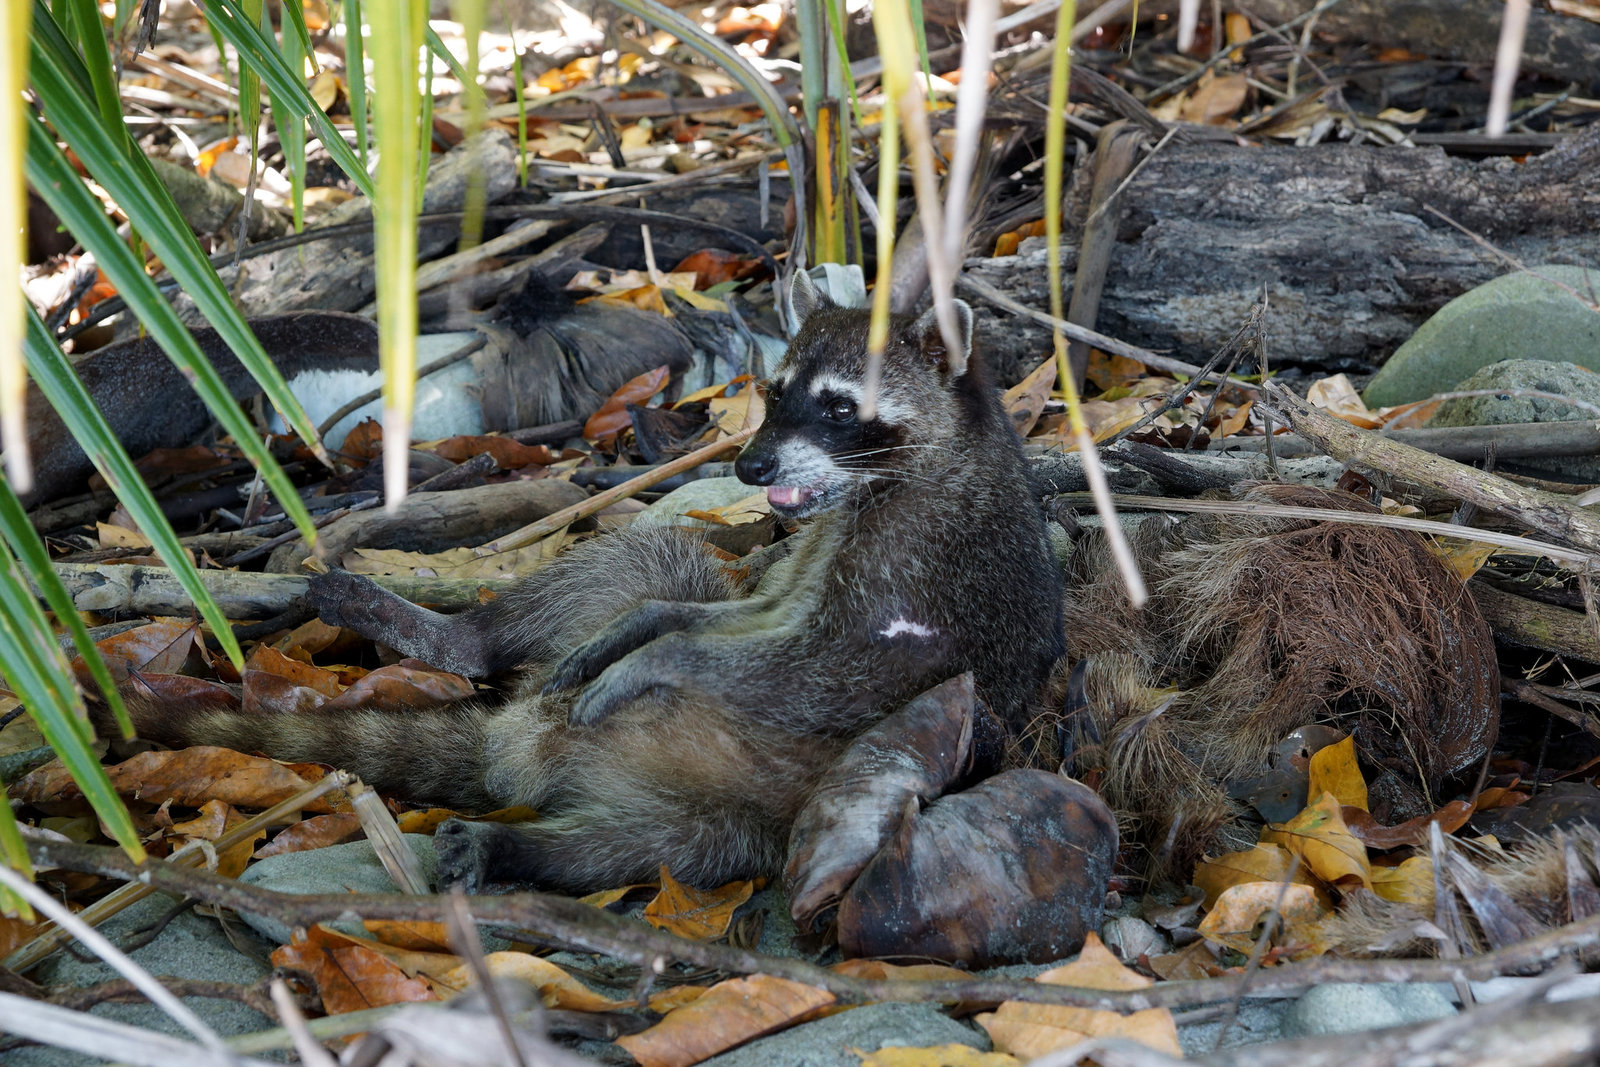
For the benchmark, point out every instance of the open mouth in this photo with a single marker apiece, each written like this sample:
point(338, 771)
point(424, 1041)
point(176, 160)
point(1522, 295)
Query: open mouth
point(790, 497)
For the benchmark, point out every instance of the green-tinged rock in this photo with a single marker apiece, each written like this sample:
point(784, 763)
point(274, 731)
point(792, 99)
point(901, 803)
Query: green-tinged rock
point(1517, 316)
point(1529, 376)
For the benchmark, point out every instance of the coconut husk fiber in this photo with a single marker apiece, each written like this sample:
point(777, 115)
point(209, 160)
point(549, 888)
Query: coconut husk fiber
point(1259, 625)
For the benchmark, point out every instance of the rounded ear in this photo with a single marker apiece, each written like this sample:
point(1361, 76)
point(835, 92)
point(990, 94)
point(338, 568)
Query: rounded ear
point(804, 298)
point(927, 336)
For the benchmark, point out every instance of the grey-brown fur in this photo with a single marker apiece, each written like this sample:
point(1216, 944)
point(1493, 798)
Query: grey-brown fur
point(661, 717)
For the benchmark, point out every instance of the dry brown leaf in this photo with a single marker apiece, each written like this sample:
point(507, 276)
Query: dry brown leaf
point(698, 914)
point(407, 685)
point(269, 659)
point(728, 1014)
point(112, 536)
point(1031, 1030)
point(190, 777)
point(308, 639)
point(510, 455)
point(265, 693)
point(1325, 844)
point(350, 977)
point(365, 442)
point(318, 831)
point(181, 689)
point(1452, 817)
point(613, 417)
point(1214, 100)
point(1236, 422)
point(160, 647)
point(1025, 401)
point(1109, 371)
point(1194, 961)
point(1337, 396)
point(216, 818)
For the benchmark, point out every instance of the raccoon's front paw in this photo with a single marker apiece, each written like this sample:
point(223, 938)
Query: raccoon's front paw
point(583, 663)
point(464, 849)
point(620, 685)
point(343, 599)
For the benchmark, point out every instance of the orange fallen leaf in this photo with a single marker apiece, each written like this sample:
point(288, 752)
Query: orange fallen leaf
point(190, 777)
point(412, 935)
point(407, 685)
point(698, 914)
point(160, 647)
point(350, 977)
point(427, 820)
point(1452, 817)
point(728, 1014)
point(613, 418)
point(269, 659)
point(1031, 1030)
point(318, 831)
point(1261, 863)
point(510, 455)
point(363, 442)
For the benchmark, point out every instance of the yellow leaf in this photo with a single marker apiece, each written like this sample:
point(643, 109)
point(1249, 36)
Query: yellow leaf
point(1410, 883)
point(695, 913)
point(1334, 770)
point(711, 392)
point(558, 988)
point(1235, 920)
point(1465, 558)
point(1321, 838)
point(1232, 424)
point(1030, 1030)
point(1025, 401)
point(1262, 863)
point(728, 1014)
point(606, 897)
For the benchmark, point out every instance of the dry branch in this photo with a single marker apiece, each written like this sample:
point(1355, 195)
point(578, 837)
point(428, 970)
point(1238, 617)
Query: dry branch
point(571, 923)
point(1545, 512)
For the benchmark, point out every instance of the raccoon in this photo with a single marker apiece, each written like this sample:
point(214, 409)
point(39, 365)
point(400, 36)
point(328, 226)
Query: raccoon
point(660, 713)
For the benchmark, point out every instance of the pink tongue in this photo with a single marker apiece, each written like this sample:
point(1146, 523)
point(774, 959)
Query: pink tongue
point(783, 496)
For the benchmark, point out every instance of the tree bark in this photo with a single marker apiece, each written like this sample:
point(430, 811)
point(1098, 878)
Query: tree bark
point(1337, 235)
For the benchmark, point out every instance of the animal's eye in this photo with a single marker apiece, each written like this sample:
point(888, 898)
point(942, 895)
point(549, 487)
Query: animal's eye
point(841, 409)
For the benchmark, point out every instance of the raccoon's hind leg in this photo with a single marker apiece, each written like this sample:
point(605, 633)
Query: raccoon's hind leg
point(707, 794)
point(544, 616)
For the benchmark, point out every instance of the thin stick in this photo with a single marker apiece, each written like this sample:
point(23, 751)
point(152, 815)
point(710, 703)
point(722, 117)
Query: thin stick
point(548, 525)
point(159, 995)
point(189, 855)
point(1511, 542)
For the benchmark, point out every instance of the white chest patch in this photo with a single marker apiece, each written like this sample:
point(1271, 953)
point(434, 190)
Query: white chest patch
point(903, 625)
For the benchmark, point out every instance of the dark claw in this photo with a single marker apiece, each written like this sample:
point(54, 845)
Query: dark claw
point(463, 849)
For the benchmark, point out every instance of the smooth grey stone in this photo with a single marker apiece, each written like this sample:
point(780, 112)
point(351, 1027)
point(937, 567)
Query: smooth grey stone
point(349, 868)
point(191, 946)
point(1516, 316)
point(829, 1042)
point(1340, 1008)
point(1536, 375)
point(702, 494)
point(1258, 1020)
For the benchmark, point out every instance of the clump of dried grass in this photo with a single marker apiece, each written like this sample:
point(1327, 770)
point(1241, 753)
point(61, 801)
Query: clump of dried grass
point(1258, 625)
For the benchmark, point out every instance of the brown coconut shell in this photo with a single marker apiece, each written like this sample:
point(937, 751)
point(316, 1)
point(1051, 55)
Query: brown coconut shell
point(1014, 869)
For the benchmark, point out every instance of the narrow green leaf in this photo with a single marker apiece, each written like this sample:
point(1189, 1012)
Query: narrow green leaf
point(255, 52)
point(83, 24)
point(41, 680)
point(519, 89)
point(437, 47)
point(355, 74)
point(919, 30)
point(301, 36)
point(53, 36)
point(841, 56)
point(133, 184)
point(14, 853)
point(35, 559)
point(292, 128)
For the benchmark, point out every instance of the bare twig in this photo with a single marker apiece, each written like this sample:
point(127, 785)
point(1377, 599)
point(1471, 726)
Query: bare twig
point(600, 501)
point(569, 922)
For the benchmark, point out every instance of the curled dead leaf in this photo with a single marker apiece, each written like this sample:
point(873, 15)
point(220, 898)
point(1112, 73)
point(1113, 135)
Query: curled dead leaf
point(728, 1014)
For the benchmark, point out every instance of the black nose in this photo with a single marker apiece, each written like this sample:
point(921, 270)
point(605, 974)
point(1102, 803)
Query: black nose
point(756, 468)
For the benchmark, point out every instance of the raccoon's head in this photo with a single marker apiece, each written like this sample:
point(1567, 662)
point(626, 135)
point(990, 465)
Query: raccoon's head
point(816, 449)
